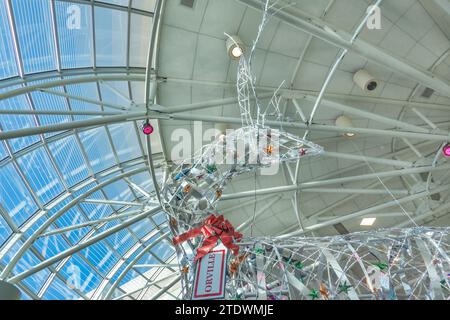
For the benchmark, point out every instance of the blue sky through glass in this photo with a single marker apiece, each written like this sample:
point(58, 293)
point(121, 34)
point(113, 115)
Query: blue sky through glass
point(39, 172)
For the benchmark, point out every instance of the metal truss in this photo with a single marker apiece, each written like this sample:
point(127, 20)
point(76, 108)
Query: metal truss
point(149, 76)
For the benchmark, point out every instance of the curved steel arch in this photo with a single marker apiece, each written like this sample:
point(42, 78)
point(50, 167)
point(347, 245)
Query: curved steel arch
point(58, 214)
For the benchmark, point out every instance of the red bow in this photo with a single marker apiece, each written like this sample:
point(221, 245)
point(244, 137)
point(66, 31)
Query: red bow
point(213, 229)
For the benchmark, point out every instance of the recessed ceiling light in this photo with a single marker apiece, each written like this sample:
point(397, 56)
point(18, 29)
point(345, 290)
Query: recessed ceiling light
point(235, 47)
point(350, 134)
point(236, 52)
point(367, 222)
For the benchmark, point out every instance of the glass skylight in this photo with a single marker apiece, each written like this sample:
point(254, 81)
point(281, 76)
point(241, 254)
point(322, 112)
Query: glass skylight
point(63, 188)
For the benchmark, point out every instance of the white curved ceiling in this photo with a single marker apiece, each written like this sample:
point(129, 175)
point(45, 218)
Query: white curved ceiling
point(102, 68)
point(193, 58)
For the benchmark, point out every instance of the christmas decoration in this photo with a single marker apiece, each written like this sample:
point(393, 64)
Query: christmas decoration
point(213, 229)
point(147, 128)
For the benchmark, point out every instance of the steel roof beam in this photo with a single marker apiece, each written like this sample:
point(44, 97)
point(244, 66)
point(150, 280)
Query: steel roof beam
point(363, 212)
point(130, 266)
point(62, 255)
point(304, 187)
point(299, 94)
point(142, 115)
point(341, 39)
point(110, 6)
point(146, 286)
point(29, 242)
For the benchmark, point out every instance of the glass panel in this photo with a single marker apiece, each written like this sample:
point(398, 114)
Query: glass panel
point(5, 231)
point(8, 67)
point(80, 275)
point(49, 246)
point(111, 37)
point(125, 141)
point(45, 101)
point(3, 153)
point(118, 191)
point(69, 159)
point(83, 90)
point(98, 149)
point(35, 281)
point(71, 218)
point(101, 255)
point(75, 34)
point(146, 5)
point(14, 122)
point(141, 30)
point(58, 290)
point(123, 3)
point(14, 196)
point(33, 23)
point(115, 92)
point(40, 174)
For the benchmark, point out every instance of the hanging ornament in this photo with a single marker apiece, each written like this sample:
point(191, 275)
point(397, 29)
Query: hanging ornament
point(269, 150)
point(182, 174)
point(344, 287)
point(298, 265)
point(147, 128)
point(211, 168)
point(259, 251)
point(173, 222)
point(236, 262)
point(314, 294)
point(185, 269)
point(381, 266)
point(324, 291)
point(302, 152)
point(213, 229)
point(436, 261)
point(187, 188)
point(218, 194)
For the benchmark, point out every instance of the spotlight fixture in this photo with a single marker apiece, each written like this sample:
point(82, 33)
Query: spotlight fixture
point(235, 47)
point(147, 128)
point(446, 150)
point(367, 222)
point(345, 122)
point(365, 81)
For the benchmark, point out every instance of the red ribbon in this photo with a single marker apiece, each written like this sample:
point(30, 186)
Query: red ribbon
point(213, 229)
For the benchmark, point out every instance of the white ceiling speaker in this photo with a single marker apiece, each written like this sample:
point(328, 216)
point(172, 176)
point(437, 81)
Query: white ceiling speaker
point(365, 81)
point(235, 47)
point(345, 122)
